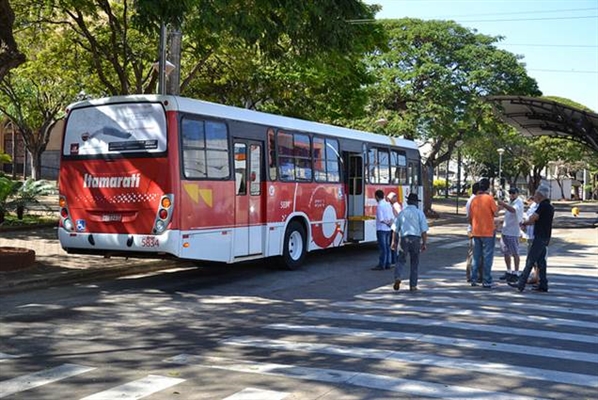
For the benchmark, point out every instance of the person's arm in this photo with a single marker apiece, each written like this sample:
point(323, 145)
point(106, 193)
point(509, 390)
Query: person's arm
point(506, 206)
point(531, 220)
point(424, 241)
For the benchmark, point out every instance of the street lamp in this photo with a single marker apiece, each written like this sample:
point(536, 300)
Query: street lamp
point(500, 153)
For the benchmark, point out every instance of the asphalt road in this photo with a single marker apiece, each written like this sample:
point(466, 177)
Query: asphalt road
point(331, 330)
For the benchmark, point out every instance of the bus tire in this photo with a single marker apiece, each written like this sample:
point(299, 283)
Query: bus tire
point(294, 246)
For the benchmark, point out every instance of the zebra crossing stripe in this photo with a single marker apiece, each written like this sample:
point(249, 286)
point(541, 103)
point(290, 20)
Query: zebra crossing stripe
point(442, 340)
point(257, 394)
point(4, 357)
point(136, 389)
point(586, 291)
point(402, 320)
point(565, 278)
point(470, 313)
point(513, 297)
point(360, 379)
point(489, 303)
point(449, 279)
point(419, 358)
point(40, 378)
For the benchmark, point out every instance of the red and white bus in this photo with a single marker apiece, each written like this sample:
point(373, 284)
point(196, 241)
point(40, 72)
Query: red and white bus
point(167, 176)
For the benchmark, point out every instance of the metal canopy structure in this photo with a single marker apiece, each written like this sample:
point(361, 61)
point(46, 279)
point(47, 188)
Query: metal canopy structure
point(533, 116)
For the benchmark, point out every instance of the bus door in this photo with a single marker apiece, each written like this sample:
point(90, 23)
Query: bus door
point(249, 202)
point(356, 197)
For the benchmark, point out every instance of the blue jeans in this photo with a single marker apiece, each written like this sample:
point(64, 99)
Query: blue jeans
point(536, 255)
point(384, 247)
point(409, 245)
point(483, 256)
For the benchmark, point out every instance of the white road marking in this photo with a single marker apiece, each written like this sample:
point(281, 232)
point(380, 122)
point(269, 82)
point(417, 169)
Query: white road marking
point(419, 358)
point(460, 301)
point(257, 394)
point(384, 292)
point(441, 340)
point(41, 378)
point(402, 320)
point(509, 316)
point(136, 389)
point(4, 357)
point(371, 381)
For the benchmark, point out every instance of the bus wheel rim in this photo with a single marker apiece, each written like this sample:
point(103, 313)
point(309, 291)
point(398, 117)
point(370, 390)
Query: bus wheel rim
point(295, 245)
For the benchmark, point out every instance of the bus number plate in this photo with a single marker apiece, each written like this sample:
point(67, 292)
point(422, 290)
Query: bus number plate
point(150, 241)
point(112, 218)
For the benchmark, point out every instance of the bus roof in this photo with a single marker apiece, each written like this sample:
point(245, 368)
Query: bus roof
point(185, 104)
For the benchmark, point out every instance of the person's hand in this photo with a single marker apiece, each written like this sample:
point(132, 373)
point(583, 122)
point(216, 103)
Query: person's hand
point(423, 247)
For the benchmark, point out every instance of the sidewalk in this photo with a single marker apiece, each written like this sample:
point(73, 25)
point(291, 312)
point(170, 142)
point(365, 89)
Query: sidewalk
point(54, 267)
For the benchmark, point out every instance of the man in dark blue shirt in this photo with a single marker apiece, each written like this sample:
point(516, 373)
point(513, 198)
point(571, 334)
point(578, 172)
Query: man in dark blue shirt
point(542, 221)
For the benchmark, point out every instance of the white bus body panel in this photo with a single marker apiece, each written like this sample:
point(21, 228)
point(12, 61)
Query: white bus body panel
point(168, 242)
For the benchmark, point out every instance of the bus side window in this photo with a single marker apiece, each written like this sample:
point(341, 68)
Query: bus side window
point(384, 165)
point(217, 154)
point(205, 149)
point(286, 162)
point(333, 159)
point(398, 168)
point(372, 166)
point(303, 168)
point(194, 156)
point(272, 154)
point(241, 168)
point(379, 165)
point(326, 160)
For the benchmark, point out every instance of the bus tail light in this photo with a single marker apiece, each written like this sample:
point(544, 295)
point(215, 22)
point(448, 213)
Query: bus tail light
point(164, 213)
point(65, 219)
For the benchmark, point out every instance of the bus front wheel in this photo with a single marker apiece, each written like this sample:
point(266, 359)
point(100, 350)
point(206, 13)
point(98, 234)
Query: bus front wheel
point(295, 246)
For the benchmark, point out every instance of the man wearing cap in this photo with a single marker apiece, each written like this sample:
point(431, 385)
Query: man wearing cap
point(511, 233)
point(541, 219)
point(396, 209)
point(411, 227)
point(482, 212)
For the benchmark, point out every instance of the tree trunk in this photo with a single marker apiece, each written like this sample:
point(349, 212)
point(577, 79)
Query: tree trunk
point(36, 165)
point(427, 174)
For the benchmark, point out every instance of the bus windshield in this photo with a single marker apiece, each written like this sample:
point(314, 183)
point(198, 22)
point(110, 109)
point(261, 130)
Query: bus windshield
point(115, 129)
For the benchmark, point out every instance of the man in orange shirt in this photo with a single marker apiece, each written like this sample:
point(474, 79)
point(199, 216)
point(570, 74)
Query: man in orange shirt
point(482, 211)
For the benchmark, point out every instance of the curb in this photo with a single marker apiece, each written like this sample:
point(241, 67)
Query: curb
point(87, 275)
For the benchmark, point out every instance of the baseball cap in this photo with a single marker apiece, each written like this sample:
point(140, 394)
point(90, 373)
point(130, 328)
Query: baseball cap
point(514, 190)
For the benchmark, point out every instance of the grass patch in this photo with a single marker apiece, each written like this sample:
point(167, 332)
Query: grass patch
point(11, 220)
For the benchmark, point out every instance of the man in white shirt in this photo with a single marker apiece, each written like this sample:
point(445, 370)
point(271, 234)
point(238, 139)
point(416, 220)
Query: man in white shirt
point(511, 232)
point(384, 219)
point(410, 238)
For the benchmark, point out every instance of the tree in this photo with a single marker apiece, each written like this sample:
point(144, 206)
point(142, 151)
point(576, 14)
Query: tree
point(431, 82)
point(10, 56)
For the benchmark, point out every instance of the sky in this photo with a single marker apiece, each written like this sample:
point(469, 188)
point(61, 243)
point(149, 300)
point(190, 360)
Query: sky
point(558, 39)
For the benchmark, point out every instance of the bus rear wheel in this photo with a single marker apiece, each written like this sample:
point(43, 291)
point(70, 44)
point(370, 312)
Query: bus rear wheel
point(295, 246)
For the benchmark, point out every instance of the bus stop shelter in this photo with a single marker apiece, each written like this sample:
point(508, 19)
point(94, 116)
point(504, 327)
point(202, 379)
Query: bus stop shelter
point(533, 116)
